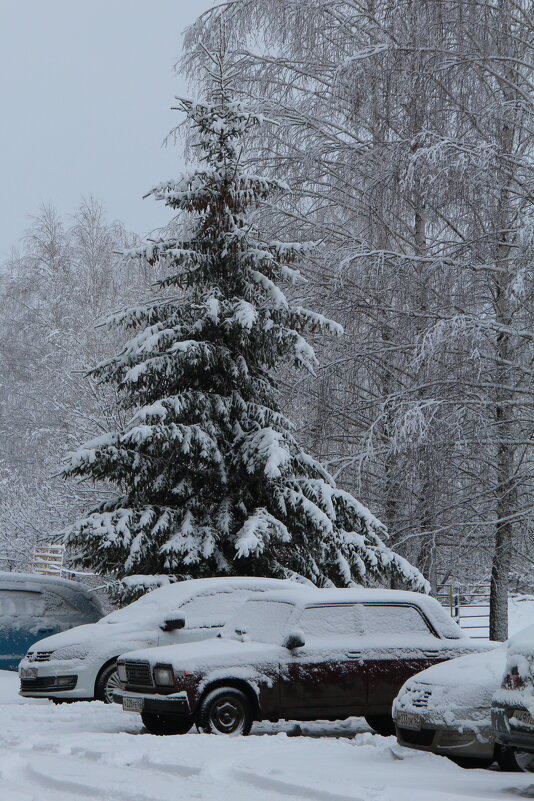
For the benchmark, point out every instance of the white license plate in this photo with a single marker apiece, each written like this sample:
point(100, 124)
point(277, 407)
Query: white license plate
point(523, 716)
point(28, 673)
point(405, 720)
point(133, 704)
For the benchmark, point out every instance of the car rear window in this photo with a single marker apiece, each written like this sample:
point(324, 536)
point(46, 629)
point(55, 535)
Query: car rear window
point(394, 619)
point(213, 609)
point(328, 621)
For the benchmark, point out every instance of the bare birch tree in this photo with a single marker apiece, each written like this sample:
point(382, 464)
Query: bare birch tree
point(405, 130)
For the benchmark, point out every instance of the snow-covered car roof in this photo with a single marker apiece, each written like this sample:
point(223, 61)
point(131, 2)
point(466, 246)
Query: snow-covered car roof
point(302, 596)
point(522, 642)
point(34, 581)
point(305, 595)
point(189, 587)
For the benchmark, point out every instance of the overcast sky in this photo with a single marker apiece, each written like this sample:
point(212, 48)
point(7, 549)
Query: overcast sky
point(86, 90)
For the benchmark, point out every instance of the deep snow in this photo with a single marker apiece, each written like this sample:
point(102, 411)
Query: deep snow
point(89, 750)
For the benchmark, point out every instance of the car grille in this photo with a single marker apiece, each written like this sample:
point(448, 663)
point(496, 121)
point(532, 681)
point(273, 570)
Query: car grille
point(422, 737)
point(421, 699)
point(39, 656)
point(44, 683)
point(138, 674)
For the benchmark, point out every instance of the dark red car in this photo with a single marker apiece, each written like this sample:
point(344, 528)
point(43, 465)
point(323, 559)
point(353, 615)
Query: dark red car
point(297, 655)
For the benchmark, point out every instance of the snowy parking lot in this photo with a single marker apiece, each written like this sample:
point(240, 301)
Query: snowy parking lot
point(89, 750)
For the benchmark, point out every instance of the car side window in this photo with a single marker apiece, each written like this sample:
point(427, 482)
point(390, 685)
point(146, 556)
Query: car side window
point(57, 605)
point(212, 609)
point(332, 620)
point(394, 619)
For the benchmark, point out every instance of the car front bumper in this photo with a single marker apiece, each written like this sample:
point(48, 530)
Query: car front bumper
point(448, 741)
point(42, 684)
point(174, 705)
point(512, 736)
point(62, 680)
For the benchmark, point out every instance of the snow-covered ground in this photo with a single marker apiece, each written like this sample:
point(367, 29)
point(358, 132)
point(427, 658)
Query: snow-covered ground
point(75, 752)
point(91, 751)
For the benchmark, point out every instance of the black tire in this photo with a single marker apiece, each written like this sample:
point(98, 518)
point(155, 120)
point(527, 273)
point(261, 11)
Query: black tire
point(471, 763)
point(107, 681)
point(510, 760)
point(165, 725)
point(382, 724)
point(225, 710)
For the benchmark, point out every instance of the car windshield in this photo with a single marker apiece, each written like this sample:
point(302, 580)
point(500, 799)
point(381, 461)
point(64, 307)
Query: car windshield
point(263, 621)
point(145, 607)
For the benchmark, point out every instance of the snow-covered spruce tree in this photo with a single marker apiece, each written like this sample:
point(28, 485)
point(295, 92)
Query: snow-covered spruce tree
point(211, 478)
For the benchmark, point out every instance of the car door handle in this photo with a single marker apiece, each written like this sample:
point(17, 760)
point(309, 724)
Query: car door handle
point(354, 655)
point(431, 653)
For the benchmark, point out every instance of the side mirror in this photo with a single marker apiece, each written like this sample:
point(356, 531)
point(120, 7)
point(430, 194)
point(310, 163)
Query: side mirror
point(173, 623)
point(295, 639)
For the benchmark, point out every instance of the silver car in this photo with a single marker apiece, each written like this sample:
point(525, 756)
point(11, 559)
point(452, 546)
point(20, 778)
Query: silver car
point(446, 709)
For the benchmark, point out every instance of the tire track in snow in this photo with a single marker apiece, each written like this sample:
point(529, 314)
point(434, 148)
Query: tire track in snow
point(79, 775)
point(286, 789)
point(136, 762)
point(75, 777)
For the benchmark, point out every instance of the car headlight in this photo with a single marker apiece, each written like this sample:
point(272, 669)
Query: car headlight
point(164, 676)
point(121, 671)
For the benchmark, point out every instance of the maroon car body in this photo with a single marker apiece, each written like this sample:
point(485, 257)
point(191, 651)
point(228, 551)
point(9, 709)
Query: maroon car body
point(299, 655)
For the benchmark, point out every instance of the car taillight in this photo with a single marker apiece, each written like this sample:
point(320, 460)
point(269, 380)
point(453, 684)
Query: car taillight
point(512, 680)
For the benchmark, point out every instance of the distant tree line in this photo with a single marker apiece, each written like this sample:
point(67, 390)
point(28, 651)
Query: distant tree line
point(53, 288)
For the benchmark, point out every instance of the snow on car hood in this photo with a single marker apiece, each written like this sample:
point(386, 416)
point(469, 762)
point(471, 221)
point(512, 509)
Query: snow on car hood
point(483, 669)
point(208, 654)
point(100, 639)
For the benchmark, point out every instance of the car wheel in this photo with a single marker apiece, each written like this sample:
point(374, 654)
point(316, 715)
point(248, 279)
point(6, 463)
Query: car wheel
point(107, 682)
point(471, 763)
point(382, 724)
point(225, 710)
point(511, 760)
point(164, 725)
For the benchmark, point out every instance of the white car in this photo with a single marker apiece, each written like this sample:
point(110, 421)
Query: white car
point(80, 664)
point(446, 709)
